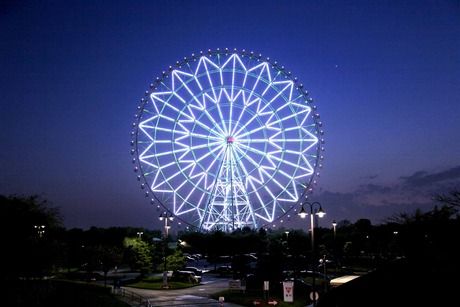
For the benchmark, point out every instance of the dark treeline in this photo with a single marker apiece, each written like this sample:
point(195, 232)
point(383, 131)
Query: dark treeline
point(430, 237)
point(38, 245)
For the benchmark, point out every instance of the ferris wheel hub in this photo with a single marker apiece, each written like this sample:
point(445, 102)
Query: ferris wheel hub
point(230, 139)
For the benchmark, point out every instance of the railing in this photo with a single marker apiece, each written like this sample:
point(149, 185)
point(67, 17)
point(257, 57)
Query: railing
point(133, 298)
point(137, 300)
point(184, 303)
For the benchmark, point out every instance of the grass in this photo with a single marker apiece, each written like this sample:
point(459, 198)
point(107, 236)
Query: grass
point(156, 283)
point(54, 293)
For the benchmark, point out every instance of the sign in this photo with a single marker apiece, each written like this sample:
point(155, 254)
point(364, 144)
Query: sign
point(221, 299)
point(272, 302)
point(266, 285)
point(314, 296)
point(288, 291)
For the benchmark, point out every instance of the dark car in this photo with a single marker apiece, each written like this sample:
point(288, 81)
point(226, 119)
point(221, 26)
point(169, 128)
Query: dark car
point(195, 270)
point(186, 276)
point(224, 270)
point(317, 274)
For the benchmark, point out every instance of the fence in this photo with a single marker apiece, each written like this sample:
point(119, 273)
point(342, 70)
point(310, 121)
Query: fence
point(130, 297)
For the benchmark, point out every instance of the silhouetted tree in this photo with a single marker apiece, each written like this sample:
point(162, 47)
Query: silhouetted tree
point(29, 226)
point(451, 199)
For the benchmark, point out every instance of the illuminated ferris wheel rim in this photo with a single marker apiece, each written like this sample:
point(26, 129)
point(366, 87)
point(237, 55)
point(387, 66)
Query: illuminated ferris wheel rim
point(224, 139)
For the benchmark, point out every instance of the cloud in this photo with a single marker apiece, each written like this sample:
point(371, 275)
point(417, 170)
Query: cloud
point(380, 201)
point(422, 178)
point(374, 188)
point(370, 177)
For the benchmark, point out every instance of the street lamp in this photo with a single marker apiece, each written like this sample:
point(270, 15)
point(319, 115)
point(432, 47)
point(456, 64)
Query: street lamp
point(287, 237)
point(165, 217)
point(40, 230)
point(139, 234)
point(303, 214)
point(334, 225)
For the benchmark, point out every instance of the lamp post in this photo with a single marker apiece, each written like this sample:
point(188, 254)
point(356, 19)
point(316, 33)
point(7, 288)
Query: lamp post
point(139, 234)
point(303, 214)
point(165, 217)
point(334, 225)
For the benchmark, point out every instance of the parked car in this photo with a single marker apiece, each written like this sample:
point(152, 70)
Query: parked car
point(317, 274)
point(224, 270)
point(195, 270)
point(186, 276)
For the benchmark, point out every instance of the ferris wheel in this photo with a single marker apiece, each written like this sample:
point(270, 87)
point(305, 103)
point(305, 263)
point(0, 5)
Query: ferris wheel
point(227, 139)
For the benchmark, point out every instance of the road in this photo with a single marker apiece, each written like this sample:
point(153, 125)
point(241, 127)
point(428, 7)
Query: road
point(194, 296)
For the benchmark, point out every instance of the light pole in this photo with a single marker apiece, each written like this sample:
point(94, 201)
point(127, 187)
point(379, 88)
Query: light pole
point(287, 241)
point(334, 225)
point(303, 214)
point(139, 234)
point(165, 217)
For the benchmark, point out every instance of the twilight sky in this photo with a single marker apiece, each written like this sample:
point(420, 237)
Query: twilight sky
point(385, 76)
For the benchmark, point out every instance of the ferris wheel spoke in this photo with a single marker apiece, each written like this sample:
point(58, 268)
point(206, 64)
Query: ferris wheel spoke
point(251, 132)
point(216, 125)
point(171, 177)
point(219, 111)
point(184, 132)
point(254, 116)
point(202, 175)
point(176, 75)
point(185, 200)
point(210, 117)
point(260, 168)
point(250, 179)
point(269, 156)
point(276, 96)
point(209, 153)
point(185, 148)
point(203, 63)
point(285, 118)
point(202, 125)
point(169, 105)
point(255, 141)
point(217, 158)
point(232, 131)
point(254, 150)
point(264, 69)
point(197, 135)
